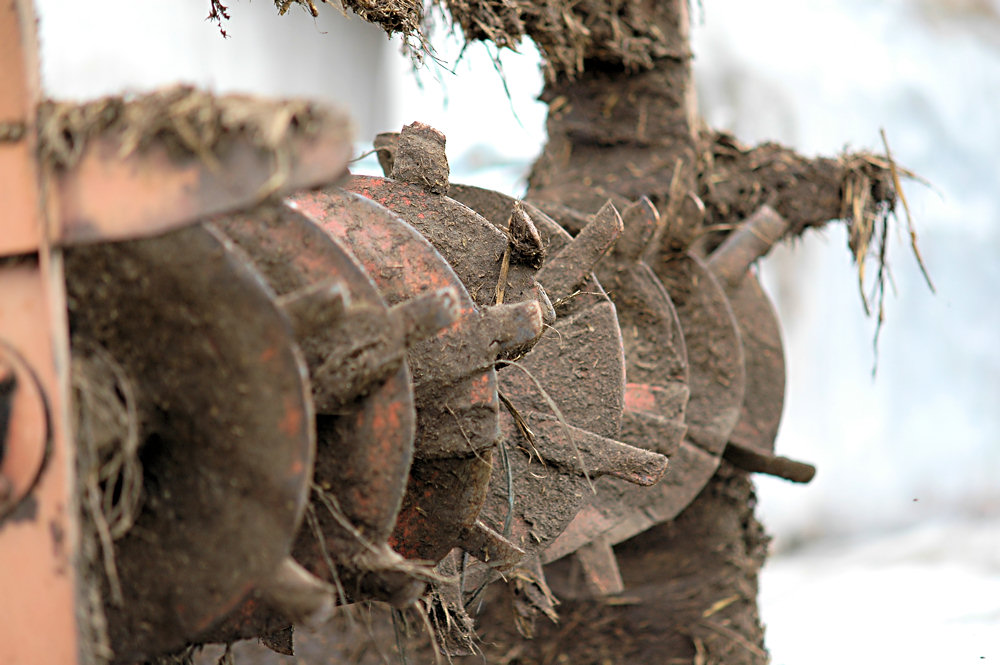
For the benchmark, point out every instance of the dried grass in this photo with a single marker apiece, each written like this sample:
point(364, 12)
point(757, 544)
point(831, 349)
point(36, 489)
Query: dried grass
point(107, 431)
point(871, 188)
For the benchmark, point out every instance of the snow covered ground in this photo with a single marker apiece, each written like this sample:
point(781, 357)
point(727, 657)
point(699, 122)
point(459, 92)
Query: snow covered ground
point(898, 556)
point(893, 553)
point(929, 594)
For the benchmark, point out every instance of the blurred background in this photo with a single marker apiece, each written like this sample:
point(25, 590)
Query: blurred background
point(893, 553)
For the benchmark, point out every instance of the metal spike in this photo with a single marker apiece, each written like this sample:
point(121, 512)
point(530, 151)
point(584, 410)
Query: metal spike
point(281, 641)
point(640, 221)
point(362, 350)
point(513, 326)
point(490, 547)
point(773, 465)
point(426, 315)
point(752, 240)
point(600, 568)
point(298, 594)
point(315, 308)
point(542, 297)
point(596, 455)
point(562, 273)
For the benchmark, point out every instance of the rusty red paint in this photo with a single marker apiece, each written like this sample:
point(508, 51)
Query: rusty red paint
point(639, 397)
point(292, 423)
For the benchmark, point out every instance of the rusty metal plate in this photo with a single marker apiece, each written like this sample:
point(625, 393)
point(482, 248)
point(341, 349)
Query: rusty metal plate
point(39, 538)
point(715, 350)
point(109, 197)
point(578, 365)
point(764, 355)
point(39, 541)
point(20, 92)
point(655, 396)
point(364, 444)
point(454, 379)
point(227, 435)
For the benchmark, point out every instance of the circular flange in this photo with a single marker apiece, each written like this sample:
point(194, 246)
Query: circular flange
point(760, 331)
point(714, 346)
point(227, 426)
point(454, 379)
point(716, 379)
point(656, 393)
point(365, 447)
point(579, 364)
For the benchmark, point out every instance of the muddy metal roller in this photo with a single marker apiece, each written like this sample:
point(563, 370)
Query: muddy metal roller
point(735, 379)
point(563, 397)
point(454, 377)
point(222, 412)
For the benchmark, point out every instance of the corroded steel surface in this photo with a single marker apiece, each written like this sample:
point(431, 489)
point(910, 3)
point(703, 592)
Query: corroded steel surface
point(226, 423)
point(454, 379)
point(365, 440)
point(582, 378)
point(108, 197)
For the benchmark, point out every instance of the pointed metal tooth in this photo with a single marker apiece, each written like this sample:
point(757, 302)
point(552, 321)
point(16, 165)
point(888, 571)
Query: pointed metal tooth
point(298, 594)
point(640, 221)
point(595, 454)
point(525, 241)
point(427, 314)
point(752, 240)
point(773, 465)
point(653, 432)
point(690, 469)
point(490, 547)
point(315, 308)
point(563, 272)
point(536, 590)
point(513, 326)
point(600, 568)
point(347, 359)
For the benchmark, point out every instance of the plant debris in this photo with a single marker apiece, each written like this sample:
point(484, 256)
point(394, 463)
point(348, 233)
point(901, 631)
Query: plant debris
point(218, 13)
point(187, 121)
point(861, 188)
point(568, 33)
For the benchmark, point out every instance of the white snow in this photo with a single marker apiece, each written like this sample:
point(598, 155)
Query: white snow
point(930, 594)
